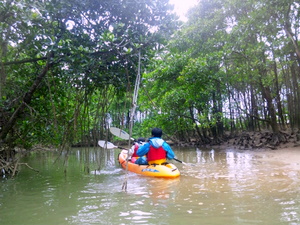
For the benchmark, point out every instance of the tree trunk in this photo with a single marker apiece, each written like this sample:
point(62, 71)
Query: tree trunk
point(271, 109)
point(296, 92)
point(294, 67)
point(195, 122)
point(288, 31)
point(231, 113)
point(2, 70)
point(278, 99)
point(25, 101)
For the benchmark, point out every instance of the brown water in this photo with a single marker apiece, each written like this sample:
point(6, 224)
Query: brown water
point(216, 187)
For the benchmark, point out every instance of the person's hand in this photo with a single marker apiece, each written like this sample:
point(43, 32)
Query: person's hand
point(141, 143)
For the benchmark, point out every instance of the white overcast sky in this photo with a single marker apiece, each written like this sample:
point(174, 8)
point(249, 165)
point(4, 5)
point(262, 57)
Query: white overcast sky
point(181, 6)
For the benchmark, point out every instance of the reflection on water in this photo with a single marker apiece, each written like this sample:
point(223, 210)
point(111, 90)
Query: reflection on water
point(215, 187)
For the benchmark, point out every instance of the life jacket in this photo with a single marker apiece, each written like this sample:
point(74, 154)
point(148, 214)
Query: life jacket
point(136, 147)
point(156, 155)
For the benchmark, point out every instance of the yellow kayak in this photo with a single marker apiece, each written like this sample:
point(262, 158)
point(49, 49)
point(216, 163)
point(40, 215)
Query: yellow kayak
point(167, 170)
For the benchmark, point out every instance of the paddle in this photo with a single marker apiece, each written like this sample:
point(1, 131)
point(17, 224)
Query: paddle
point(122, 134)
point(108, 145)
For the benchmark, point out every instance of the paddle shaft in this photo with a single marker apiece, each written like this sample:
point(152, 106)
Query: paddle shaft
point(121, 148)
point(177, 160)
point(109, 145)
point(180, 161)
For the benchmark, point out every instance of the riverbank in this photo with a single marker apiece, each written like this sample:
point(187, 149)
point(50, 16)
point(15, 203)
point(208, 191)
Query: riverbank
point(240, 141)
point(258, 140)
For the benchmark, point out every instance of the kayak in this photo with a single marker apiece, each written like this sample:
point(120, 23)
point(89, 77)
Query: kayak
point(167, 170)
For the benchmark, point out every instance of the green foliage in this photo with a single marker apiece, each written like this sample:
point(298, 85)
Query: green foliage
point(93, 47)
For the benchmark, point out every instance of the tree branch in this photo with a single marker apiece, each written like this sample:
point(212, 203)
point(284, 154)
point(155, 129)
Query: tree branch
point(23, 61)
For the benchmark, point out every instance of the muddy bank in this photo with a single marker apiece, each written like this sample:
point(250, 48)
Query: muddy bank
point(264, 139)
point(249, 141)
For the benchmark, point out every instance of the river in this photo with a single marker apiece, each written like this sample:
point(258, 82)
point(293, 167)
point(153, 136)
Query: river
point(84, 186)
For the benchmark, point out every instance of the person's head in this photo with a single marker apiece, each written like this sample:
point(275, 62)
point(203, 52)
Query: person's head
point(156, 132)
point(141, 139)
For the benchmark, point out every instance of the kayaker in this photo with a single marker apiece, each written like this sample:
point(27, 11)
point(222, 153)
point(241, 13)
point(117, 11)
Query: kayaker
point(132, 152)
point(156, 150)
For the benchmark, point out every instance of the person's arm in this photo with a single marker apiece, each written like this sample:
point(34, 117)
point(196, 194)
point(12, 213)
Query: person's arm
point(131, 150)
point(168, 149)
point(143, 150)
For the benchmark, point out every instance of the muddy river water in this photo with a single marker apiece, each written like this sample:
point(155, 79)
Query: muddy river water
point(215, 187)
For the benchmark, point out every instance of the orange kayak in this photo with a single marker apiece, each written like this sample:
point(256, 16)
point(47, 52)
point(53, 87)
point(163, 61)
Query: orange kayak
point(167, 170)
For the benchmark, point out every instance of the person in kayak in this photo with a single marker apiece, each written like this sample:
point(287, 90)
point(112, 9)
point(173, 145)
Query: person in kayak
point(156, 150)
point(132, 152)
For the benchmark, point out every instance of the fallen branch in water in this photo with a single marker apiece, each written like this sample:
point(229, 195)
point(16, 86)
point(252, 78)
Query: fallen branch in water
point(26, 164)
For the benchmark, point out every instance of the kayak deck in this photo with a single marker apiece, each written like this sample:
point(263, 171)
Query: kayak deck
point(168, 170)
